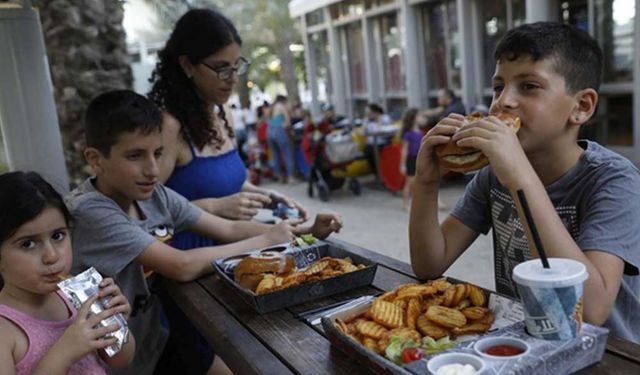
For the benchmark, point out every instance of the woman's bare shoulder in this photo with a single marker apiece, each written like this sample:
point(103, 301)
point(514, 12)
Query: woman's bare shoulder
point(170, 123)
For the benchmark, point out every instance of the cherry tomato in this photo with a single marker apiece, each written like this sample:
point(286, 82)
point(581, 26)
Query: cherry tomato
point(411, 354)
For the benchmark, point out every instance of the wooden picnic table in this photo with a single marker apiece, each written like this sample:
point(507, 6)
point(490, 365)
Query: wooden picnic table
point(282, 342)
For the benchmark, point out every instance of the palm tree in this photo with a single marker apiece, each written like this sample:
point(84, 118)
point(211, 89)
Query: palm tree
point(87, 53)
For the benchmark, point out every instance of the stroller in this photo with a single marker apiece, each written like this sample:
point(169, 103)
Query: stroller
point(335, 156)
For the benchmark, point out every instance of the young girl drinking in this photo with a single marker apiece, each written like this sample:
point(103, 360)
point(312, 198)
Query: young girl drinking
point(40, 331)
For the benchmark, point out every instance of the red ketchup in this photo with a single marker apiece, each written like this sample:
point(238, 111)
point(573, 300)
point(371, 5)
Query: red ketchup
point(504, 350)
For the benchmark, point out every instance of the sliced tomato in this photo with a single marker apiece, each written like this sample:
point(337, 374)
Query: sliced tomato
point(411, 354)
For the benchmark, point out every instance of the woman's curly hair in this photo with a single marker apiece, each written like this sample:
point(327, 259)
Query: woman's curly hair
point(197, 34)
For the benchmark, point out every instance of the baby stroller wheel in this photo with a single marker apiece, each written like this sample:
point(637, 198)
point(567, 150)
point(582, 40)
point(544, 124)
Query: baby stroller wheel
point(323, 191)
point(354, 186)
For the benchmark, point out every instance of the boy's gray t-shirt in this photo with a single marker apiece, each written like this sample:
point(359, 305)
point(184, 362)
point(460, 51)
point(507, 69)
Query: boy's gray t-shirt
point(598, 201)
point(105, 237)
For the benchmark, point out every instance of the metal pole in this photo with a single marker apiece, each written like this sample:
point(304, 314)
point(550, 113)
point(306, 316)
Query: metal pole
point(28, 118)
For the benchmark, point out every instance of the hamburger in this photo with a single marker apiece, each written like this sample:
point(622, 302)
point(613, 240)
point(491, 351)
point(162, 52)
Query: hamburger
point(252, 268)
point(465, 159)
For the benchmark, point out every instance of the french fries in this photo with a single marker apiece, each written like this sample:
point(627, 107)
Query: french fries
point(436, 309)
point(324, 268)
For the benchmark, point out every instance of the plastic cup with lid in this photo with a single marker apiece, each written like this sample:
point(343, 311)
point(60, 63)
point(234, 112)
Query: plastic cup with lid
point(552, 297)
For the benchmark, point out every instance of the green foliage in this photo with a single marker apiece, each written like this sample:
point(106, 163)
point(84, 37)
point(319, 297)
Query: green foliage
point(266, 29)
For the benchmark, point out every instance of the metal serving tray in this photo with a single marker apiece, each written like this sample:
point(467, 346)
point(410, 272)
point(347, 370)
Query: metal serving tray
point(546, 358)
point(304, 292)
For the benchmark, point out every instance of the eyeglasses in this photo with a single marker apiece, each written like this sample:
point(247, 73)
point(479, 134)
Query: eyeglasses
point(226, 72)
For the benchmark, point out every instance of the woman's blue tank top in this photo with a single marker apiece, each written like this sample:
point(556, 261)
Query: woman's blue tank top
point(206, 177)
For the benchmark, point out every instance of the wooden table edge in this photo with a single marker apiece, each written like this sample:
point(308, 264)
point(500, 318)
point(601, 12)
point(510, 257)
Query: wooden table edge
point(263, 360)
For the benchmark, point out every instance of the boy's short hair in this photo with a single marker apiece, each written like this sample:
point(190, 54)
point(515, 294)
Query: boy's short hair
point(578, 58)
point(374, 107)
point(115, 112)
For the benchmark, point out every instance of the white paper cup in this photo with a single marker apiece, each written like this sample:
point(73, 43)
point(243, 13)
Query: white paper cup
point(552, 297)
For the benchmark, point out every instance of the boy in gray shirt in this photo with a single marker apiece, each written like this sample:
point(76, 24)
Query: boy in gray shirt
point(124, 218)
point(584, 198)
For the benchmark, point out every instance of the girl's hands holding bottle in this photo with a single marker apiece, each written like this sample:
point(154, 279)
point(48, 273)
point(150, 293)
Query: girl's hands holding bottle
point(82, 337)
point(116, 300)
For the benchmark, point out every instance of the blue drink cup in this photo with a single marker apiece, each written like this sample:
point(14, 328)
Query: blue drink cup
point(552, 297)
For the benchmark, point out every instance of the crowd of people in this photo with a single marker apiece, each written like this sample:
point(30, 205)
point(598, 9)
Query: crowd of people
point(169, 193)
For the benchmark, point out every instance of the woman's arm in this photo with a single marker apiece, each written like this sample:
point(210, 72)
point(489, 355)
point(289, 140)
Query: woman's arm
point(173, 144)
point(275, 197)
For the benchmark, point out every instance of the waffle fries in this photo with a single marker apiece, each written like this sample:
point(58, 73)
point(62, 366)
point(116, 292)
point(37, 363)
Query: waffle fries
point(435, 309)
point(324, 268)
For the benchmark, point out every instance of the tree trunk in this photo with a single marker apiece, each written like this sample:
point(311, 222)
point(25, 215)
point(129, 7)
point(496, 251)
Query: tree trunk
point(87, 53)
point(287, 68)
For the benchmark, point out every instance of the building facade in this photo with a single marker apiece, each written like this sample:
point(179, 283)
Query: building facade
point(398, 53)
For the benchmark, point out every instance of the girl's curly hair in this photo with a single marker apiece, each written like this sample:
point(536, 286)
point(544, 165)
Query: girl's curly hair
point(197, 34)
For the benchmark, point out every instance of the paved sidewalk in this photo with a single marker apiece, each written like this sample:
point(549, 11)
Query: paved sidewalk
point(375, 220)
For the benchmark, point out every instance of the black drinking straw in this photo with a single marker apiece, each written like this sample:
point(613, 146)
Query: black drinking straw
point(532, 228)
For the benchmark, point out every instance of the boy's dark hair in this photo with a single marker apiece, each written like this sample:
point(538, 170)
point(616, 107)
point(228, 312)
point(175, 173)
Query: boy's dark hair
point(578, 58)
point(450, 94)
point(198, 34)
point(373, 107)
point(115, 112)
point(23, 196)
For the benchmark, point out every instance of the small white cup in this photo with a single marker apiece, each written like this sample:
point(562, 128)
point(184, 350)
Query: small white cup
point(482, 345)
point(449, 358)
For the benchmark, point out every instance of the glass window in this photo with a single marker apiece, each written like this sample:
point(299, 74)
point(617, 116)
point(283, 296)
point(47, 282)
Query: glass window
point(614, 32)
point(494, 25)
point(315, 18)
point(359, 108)
point(576, 13)
point(442, 38)
point(347, 9)
point(518, 12)
point(613, 124)
point(495, 22)
point(355, 51)
point(377, 3)
point(321, 53)
point(396, 108)
point(392, 53)
point(613, 29)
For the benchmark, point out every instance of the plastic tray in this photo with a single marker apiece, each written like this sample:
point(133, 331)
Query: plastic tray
point(304, 292)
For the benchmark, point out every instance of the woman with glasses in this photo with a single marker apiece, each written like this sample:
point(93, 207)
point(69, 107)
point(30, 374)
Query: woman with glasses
point(195, 76)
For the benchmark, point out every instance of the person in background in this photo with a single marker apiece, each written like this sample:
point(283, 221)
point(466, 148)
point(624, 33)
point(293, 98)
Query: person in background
point(40, 331)
point(279, 142)
point(411, 136)
point(329, 118)
point(239, 129)
point(249, 116)
point(448, 103)
point(375, 118)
